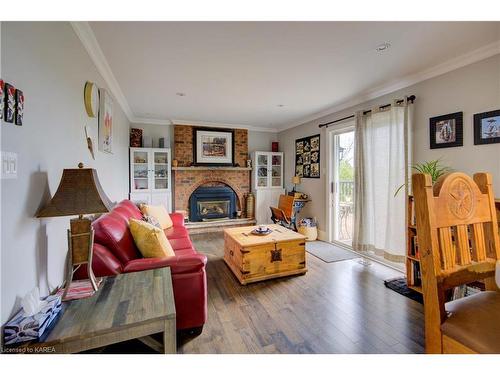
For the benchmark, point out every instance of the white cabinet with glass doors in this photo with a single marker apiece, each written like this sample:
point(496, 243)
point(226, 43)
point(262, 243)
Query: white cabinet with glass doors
point(267, 183)
point(150, 176)
point(267, 170)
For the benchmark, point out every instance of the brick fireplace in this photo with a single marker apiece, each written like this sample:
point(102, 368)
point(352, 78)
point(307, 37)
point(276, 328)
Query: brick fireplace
point(188, 178)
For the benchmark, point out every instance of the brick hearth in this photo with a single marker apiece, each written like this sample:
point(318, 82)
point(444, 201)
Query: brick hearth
point(187, 181)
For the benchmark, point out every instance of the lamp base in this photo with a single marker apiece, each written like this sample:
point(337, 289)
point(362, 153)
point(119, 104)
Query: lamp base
point(80, 243)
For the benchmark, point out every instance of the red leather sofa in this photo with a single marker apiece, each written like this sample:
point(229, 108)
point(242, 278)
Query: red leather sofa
point(115, 252)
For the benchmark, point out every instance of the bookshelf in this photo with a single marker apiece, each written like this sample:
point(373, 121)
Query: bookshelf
point(413, 274)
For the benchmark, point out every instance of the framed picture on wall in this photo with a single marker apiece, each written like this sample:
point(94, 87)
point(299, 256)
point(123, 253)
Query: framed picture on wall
point(19, 107)
point(213, 147)
point(105, 136)
point(487, 127)
point(2, 98)
point(10, 102)
point(307, 160)
point(446, 130)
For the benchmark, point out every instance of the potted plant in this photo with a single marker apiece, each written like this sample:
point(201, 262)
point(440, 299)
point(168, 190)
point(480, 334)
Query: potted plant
point(434, 168)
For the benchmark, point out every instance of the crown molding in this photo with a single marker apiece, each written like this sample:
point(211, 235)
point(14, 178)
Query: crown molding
point(222, 125)
point(468, 58)
point(89, 41)
point(150, 121)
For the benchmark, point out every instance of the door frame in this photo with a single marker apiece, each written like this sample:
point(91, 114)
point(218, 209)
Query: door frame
point(342, 127)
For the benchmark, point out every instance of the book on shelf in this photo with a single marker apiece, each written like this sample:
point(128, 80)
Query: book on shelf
point(414, 276)
point(414, 247)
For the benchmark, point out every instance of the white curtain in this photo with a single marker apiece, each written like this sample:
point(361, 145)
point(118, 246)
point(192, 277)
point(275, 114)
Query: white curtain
point(382, 157)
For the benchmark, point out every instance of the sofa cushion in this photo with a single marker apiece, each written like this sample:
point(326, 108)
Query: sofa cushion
point(150, 240)
point(160, 213)
point(181, 243)
point(111, 230)
point(474, 322)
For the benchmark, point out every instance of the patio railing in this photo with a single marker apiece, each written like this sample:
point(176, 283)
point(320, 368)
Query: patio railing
point(346, 191)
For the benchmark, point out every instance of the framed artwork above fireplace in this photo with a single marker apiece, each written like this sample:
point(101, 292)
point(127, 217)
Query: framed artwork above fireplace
point(213, 147)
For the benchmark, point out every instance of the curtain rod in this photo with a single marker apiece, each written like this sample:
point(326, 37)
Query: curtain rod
point(411, 98)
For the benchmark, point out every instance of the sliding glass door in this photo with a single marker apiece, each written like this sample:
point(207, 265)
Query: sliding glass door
point(342, 185)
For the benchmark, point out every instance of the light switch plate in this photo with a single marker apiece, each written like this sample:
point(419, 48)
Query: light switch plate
point(9, 165)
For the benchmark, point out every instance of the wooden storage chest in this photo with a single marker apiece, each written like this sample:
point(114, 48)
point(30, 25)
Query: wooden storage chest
point(254, 258)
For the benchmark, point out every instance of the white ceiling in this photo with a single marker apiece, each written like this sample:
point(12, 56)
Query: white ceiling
point(239, 72)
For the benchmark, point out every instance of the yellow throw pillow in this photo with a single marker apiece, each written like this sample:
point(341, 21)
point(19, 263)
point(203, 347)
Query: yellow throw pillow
point(150, 240)
point(159, 213)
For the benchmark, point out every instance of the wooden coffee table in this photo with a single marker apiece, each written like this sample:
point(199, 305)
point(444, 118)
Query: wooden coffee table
point(255, 258)
point(127, 306)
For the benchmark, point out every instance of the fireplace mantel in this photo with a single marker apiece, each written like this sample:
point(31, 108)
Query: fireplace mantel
point(211, 169)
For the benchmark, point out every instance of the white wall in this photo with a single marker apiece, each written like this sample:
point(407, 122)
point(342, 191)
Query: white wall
point(472, 89)
point(157, 132)
point(48, 62)
point(260, 141)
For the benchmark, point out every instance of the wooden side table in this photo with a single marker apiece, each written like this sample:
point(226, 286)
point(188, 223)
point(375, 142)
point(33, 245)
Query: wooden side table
point(127, 306)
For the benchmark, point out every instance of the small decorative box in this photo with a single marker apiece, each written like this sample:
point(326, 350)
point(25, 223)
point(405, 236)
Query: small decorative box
point(23, 328)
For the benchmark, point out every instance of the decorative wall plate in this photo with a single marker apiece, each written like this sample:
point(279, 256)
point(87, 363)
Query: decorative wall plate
point(91, 99)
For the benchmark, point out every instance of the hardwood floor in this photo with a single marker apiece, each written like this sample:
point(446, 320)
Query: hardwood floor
point(340, 307)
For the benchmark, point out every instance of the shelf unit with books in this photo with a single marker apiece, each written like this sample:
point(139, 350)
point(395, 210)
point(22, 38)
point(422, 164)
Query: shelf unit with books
point(413, 274)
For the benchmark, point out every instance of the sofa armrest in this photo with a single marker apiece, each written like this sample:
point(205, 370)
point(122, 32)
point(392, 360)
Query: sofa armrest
point(177, 264)
point(104, 263)
point(177, 219)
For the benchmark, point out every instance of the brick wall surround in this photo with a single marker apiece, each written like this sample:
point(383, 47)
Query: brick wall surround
point(185, 182)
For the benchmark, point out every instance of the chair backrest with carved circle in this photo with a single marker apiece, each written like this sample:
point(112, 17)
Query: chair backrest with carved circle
point(457, 226)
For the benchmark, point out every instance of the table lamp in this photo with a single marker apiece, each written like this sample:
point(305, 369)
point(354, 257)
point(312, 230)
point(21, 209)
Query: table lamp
point(295, 182)
point(79, 193)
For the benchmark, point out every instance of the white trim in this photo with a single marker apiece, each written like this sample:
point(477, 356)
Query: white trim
point(328, 180)
point(89, 41)
point(468, 58)
point(150, 121)
point(222, 125)
point(345, 126)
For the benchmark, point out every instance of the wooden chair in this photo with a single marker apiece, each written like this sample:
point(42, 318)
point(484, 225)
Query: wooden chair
point(459, 243)
point(283, 214)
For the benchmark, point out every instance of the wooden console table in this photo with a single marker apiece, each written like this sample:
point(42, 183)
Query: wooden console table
point(127, 306)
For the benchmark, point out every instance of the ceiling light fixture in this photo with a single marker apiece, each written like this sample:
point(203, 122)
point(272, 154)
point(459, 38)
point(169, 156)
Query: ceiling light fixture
point(180, 93)
point(383, 47)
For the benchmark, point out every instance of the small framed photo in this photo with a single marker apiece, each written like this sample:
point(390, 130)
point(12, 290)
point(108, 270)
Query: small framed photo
point(19, 107)
point(213, 147)
point(10, 103)
point(446, 131)
point(487, 127)
point(2, 96)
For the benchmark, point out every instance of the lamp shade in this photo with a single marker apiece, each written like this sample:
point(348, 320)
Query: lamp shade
point(296, 180)
point(79, 193)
